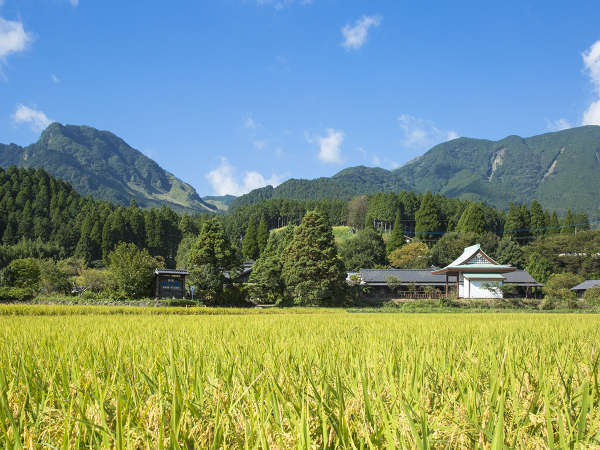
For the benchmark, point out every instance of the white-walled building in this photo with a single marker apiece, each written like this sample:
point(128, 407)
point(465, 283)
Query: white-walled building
point(476, 274)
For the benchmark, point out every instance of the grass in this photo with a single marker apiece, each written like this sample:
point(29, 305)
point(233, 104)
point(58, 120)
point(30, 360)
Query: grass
point(280, 380)
point(342, 234)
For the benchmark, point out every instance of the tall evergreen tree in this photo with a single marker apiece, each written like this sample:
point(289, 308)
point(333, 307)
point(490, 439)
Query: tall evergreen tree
point(262, 234)
point(210, 256)
point(266, 282)
point(554, 227)
point(312, 270)
point(472, 220)
point(428, 224)
point(568, 225)
point(514, 226)
point(396, 239)
point(538, 220)
point(250, 248)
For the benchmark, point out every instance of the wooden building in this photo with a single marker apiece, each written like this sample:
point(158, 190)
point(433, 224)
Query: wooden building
point(169, 283)
point(476, 274)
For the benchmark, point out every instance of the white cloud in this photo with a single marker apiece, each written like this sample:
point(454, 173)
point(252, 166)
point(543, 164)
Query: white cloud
point(330, 146)
point(250, 123)
point(557, 125)
point(223, 180)
point(422, 134)
point(591, 61)
point(376, 161)
point(452, 135)
point(74, 3)
point(591, 116)
point(13, 38)
point(36, 119)
point(355, 36)
point(54, 79)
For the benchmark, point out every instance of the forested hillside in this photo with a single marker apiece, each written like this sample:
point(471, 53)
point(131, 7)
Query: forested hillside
point(561, 170)
point(102, 165)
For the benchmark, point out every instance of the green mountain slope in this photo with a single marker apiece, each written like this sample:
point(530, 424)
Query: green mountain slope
point(561, 170)
point(221, 202)
point(102, 165)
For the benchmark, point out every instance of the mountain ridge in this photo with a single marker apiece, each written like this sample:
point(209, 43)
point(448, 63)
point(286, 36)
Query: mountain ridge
point(560, 169)
point(99, 163)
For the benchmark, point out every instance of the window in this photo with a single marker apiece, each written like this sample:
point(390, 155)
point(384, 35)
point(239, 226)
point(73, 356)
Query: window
point(478, 259)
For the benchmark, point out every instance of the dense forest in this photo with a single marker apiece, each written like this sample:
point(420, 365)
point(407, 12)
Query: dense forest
point(46, 219)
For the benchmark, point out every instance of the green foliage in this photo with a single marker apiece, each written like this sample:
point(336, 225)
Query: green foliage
point(365, 250)
point(592, 296)
point(537, 219)
point(23, 273)
point(574, 253)
point(509, 252)
point(410, 256)
point(558, 289)
point(266, 282)
point(450, 247)
point(131, 271)
point(250, 244)
point(561, 281)
point(569, 223)
point(357, 211)
point(538, 267)
point(396, 239)
point(53, 278)
point(95, 280)
point(262, 234)
point(210, 256)
point(472, 220)
point(16, 294)
point(312, 270)
point(428, 225)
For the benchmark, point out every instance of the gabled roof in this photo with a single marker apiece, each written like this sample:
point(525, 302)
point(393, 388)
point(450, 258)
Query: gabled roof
point(588, 284)
point(463, 263)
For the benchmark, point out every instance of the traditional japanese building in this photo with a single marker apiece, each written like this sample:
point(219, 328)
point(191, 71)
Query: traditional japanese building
point(475, 274)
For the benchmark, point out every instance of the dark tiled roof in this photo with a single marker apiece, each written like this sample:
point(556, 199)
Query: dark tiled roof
point(588, 284)
point(171, 272)
point(406, 276)
point(424, 276)
point(521, 277)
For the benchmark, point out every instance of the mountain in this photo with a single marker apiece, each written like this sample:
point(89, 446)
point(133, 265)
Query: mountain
point(102, 165)
point(561, 170)
point(221, 202)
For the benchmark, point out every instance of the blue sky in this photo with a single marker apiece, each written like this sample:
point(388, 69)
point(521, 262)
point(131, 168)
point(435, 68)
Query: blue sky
point(232, 94)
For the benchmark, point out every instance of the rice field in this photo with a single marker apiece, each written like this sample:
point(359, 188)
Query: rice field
point(313, 380)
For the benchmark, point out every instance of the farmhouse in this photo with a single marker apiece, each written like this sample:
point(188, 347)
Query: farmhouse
point(169, 283)
point(481, 276)
point(409, 283)
point(582, 287)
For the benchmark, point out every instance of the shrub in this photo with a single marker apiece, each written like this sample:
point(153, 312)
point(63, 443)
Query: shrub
point(558, 287)
point(131, 270)
point(95, 280)
point(547, 303)
point(16, 294)
point(23, 273)
point(410, 256)
point(592, 296)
